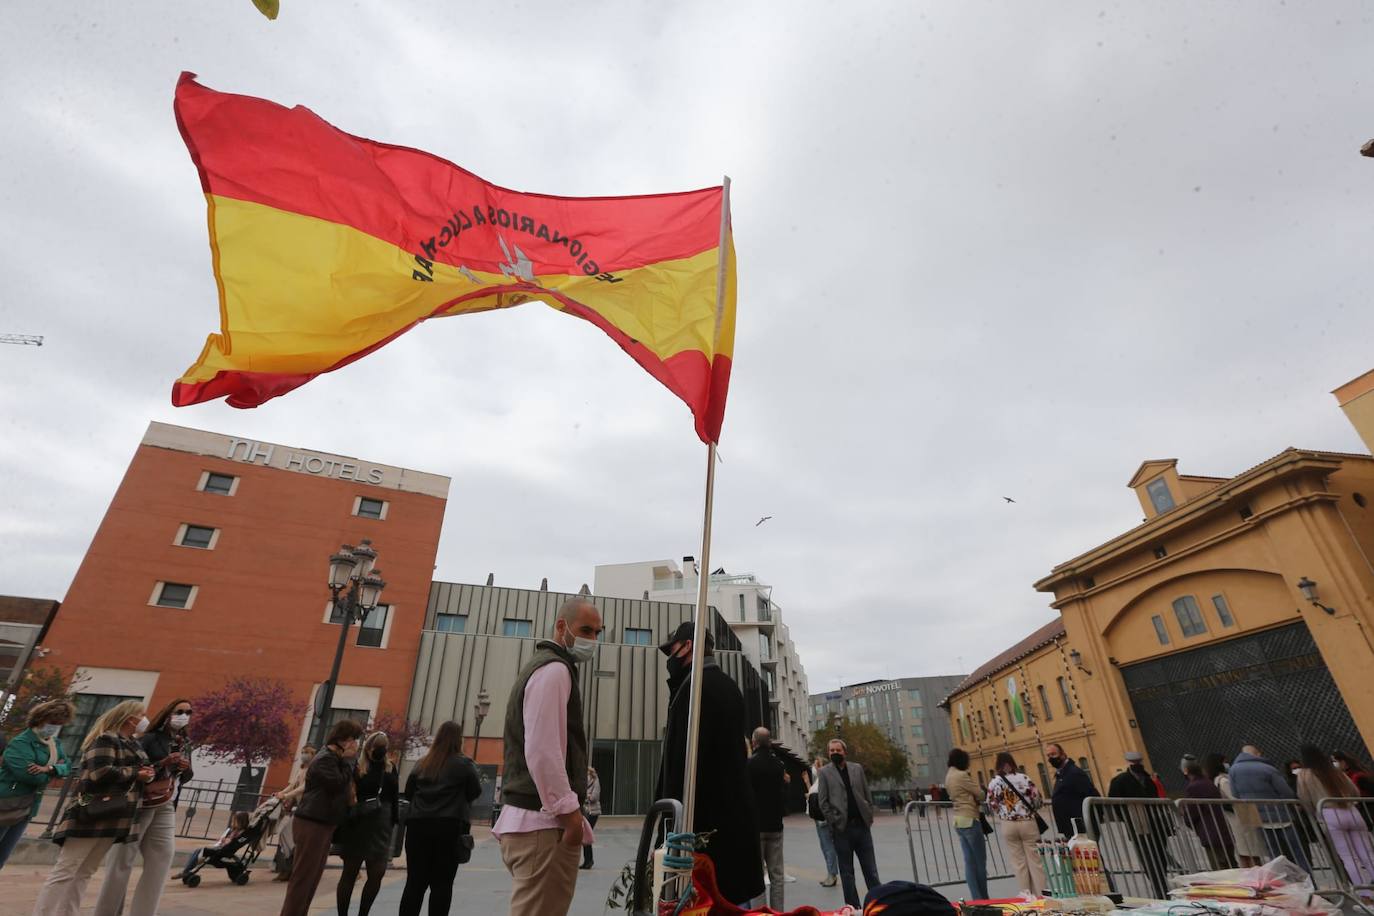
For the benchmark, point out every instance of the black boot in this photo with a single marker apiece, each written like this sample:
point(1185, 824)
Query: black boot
point(586, 857)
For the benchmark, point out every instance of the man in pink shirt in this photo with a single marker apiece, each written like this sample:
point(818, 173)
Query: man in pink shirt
point(544, 775)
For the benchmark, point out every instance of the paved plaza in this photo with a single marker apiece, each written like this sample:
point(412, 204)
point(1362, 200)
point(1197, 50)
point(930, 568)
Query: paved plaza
point(483, 885)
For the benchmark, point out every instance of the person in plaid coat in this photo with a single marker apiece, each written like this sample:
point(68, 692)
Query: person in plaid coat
point(112, 764)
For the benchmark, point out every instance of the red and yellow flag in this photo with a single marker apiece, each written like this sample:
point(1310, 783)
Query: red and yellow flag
point(327, 246)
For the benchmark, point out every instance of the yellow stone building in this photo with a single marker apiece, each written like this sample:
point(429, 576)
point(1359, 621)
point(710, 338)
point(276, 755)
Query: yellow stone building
point(1241, 610)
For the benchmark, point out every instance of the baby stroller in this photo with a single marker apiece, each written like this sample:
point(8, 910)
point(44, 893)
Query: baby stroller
point(238, 849)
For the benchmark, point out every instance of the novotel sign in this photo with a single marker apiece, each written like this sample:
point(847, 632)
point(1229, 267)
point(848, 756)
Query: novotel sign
point(877, 688)
point(250, 452)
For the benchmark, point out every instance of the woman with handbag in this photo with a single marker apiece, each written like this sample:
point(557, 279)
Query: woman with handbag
point(168, 749)
point(323, 807)
point(32, 759)
point(440, 789)
point(366, 836)
point(1014, 801)
point(969, 822)
point(114, 770)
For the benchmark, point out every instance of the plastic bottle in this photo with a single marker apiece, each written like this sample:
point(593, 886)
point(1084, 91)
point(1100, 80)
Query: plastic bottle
point(1087, 864)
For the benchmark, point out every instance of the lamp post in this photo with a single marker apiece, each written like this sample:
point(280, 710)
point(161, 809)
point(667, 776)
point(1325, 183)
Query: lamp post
point(354, 586)
point(1309, 591)
point(479, 712)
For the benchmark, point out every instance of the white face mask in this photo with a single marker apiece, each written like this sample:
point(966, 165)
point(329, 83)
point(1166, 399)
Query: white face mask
point(583, 650)
point(180, 720)
point(142, 726)
point(48, 731)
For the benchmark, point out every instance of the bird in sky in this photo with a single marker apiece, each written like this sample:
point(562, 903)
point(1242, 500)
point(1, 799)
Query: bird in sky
point(1009, 499)
point(762, 520)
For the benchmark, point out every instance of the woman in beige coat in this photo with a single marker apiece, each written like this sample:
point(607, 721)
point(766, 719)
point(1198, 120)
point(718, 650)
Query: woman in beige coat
point(967, 797)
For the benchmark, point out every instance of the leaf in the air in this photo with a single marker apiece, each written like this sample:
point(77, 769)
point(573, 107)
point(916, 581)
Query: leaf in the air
point(269, 8)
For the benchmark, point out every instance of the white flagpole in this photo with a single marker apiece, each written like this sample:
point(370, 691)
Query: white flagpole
point(689, 776)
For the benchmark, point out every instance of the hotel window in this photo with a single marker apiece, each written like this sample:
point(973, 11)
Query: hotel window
point(915, 697)
point(372, 629)
point(915, 712)
point(1011, 723)
point(1044, 780)
point(1160, 497)
point(983, 732)
point(511, 627)
point(765, 647)
point(450, 623)
point(89, 707)
point(918, 731)
point(741, 605)
point(992, 718)
point(363, 507)
point(173, 594)
point(197, 536)
point(923, 750)
point(1064, 694)
point(1045, 702)
point(219, 484)
point(1161, 631)
point(1223, 611)
point(1189, 616)
point(636, 637)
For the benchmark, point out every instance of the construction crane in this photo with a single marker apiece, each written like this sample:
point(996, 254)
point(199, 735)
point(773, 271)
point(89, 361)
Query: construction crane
point(32, 340)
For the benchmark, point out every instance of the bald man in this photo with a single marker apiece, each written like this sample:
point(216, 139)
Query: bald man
point(544, 778)
point(767, 777)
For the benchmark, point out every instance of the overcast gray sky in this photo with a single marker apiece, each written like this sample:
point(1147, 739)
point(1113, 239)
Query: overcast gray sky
point(985, 249)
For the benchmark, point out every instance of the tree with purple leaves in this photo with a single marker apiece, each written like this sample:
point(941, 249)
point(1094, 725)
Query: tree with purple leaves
point(402, 734)
point(247, 720)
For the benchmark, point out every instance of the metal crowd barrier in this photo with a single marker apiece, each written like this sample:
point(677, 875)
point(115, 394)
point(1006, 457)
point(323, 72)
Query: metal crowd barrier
point(937, 859)
point(1146, 842)
point(1142, 842)
point(1349, 828)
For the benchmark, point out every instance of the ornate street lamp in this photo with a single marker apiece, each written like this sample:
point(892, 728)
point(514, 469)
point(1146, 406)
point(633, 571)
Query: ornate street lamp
point(1309, 591)
point(355, 588)
point(479, 712)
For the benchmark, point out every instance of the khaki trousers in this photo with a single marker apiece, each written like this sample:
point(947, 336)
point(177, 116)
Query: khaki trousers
point(543, 872)
point(78, 860)
point(1020, 837)
point(157, 844)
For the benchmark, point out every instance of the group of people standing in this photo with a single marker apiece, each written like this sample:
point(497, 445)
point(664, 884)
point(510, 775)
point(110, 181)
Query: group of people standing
point(1230, 835)
point(348, 801)
point(126, 780)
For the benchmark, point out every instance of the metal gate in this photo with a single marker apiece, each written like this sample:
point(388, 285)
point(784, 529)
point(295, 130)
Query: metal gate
point(1271, 689)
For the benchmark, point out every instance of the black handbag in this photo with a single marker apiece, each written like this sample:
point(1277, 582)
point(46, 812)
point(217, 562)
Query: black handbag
point(15, 808)
point(983, 822)
point(464, 849)
point(813, 807)
point(92, 809)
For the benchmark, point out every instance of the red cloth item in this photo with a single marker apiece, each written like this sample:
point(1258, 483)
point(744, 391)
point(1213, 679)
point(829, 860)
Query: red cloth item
point(708, 901)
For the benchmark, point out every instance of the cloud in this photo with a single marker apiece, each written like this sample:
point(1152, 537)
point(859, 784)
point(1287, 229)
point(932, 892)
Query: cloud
point(985, 250)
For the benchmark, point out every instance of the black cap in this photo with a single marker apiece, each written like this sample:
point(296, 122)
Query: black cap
point(685, 631)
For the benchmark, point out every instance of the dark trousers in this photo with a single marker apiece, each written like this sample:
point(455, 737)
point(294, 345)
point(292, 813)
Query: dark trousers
point(431, 865)
point(855, 840)
point(587, 847)
point(312, 851)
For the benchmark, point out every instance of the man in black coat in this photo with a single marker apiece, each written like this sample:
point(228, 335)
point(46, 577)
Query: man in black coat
point(768, 779)
point(1071, 787)
point(1149, 828)
point(724, 800)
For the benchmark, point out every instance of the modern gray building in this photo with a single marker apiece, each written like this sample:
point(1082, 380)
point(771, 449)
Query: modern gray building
point(477, 637)
point(907, 709)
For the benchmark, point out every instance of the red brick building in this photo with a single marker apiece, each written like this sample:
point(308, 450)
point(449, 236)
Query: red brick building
point(212, 561)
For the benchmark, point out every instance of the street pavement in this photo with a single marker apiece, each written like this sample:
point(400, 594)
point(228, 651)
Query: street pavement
point(483, 886)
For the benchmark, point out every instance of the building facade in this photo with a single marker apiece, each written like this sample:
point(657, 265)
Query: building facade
point(1018, 702)
point(747, 605)
point(477, 637)
point(212, 562)
point(906, 709)
point(23, 624)
point(1239, 612)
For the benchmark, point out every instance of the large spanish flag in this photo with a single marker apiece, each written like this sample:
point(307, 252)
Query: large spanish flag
point(327, 246)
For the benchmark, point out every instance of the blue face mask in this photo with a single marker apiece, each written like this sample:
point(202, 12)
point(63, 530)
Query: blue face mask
point(48, 731)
